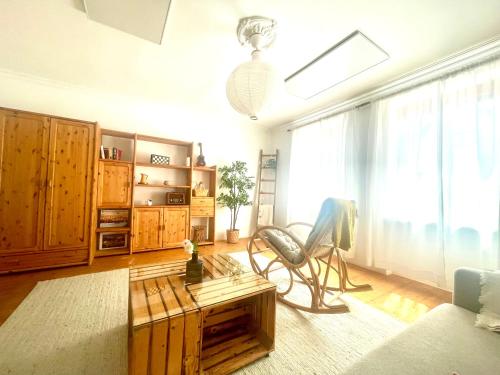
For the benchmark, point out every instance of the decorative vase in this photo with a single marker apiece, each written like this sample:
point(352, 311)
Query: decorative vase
point(233, 236)
point(144, 179)
point(200, 161)
point(194, 269)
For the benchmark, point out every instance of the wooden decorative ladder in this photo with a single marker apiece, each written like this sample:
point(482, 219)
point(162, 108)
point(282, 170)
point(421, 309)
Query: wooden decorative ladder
point(266, 190)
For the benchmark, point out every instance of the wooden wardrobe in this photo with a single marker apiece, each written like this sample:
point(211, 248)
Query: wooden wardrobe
point(46, 184)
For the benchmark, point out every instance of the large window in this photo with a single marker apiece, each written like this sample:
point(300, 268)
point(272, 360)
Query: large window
point(424, 167)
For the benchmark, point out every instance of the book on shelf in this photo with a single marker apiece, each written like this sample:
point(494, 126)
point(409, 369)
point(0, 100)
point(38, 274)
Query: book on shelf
point(111, 154)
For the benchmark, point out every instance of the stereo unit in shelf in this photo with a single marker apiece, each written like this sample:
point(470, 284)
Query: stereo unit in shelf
point(176, 198)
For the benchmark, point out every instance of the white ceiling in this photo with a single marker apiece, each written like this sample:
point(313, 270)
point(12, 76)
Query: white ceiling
point(54, 39)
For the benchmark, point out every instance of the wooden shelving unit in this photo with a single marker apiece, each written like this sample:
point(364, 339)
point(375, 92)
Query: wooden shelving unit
point(114, 190)
point(203, 208)
point(154, 225)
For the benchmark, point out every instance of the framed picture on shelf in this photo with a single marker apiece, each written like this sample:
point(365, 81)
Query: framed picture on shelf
point(113, 218)
point(112, 240)
point(111, 153)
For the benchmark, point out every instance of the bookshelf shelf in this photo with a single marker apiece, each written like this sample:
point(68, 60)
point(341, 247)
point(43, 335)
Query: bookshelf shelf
point(167, 166)
point(115, 161)
point(113, 229)
point(164, 186)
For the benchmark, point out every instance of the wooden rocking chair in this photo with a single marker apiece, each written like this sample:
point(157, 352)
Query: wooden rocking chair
point(332, 232)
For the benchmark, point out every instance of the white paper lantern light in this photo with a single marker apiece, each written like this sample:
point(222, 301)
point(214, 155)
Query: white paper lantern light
point(252, 85)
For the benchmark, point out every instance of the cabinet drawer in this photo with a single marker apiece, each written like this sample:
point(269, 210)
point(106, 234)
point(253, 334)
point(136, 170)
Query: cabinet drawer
point(202, 201)
point(43, 259)
point(202, 211)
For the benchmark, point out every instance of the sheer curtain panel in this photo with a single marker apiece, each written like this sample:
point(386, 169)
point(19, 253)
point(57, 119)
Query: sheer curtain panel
point(434, 182)
point(327, 160)
point(471, 168)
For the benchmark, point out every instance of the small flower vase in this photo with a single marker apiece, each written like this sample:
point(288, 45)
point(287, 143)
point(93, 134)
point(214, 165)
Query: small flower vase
point(194, 269)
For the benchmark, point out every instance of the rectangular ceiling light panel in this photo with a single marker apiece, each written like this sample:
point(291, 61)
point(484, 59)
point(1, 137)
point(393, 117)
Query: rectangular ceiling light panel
point(143, 18)
point(353, 55)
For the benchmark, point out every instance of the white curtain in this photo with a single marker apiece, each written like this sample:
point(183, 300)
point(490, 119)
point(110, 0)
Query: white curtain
point(318, 170)
point(325, 162)
point(424, 169)
point(404, 185)
point(434, 185)
point(471, 168)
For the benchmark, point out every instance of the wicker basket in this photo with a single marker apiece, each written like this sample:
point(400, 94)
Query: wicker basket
point(199, 233)
point(200, 190)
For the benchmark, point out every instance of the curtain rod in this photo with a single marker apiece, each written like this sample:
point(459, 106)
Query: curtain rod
point(477, 55)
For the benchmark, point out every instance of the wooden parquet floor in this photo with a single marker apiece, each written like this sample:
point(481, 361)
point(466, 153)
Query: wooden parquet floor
point(400, 297)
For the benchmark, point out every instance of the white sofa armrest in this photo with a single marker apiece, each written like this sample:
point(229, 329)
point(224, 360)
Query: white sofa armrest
point(467, 289)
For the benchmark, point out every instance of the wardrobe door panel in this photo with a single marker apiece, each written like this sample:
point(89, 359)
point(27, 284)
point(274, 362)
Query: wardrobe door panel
point(24, 141)
point(67, 223)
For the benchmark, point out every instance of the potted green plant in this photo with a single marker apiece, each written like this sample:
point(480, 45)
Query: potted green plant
point(234, 185)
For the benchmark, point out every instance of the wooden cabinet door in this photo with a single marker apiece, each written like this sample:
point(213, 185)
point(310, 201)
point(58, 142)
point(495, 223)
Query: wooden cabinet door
point(176, 222)
point(24, 144)
point(148, 225)
point(114, 184)
point(68, 203)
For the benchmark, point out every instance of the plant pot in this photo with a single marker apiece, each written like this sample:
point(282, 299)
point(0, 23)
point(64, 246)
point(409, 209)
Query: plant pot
point(233, 236)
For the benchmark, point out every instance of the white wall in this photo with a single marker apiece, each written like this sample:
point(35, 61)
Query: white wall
point(222, 142)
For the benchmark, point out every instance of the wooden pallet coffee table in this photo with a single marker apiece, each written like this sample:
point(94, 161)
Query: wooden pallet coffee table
point(213, 327)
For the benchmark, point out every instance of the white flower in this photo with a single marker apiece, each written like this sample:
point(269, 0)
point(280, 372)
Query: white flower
point(188, 246)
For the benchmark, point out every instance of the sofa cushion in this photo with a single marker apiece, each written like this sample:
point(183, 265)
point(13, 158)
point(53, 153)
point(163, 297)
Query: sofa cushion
point(489, 316)
point(442, 341)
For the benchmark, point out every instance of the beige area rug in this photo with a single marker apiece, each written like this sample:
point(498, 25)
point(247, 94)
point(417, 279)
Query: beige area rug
point(319, 343)
point(78, 325)
point(75, 325)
